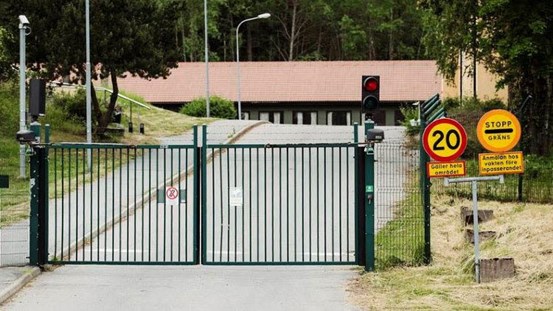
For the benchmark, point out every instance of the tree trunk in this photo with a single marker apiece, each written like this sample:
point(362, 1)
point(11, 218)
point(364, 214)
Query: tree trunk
point(249, 44)
point(105, 118)
point(293, 32)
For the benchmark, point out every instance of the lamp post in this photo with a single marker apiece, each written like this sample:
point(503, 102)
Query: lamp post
point(88, 86)
point(206, 50)
point(264, 15)
point(23, 28)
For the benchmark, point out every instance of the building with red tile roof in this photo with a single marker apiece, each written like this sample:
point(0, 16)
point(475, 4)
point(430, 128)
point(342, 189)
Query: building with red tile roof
point(297, 92)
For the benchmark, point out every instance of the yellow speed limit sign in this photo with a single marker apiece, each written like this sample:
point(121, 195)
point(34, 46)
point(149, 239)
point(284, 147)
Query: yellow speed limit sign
point(498, 130)
point(444, 139)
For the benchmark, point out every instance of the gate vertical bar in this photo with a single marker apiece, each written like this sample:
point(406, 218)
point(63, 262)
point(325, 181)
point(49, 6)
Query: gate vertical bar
point(202, 193)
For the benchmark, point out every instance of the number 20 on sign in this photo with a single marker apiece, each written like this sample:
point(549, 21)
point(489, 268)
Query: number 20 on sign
point(444, 139)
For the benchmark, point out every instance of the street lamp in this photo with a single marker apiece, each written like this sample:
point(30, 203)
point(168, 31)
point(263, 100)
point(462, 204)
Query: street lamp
point(264, 15)
point(24, 30)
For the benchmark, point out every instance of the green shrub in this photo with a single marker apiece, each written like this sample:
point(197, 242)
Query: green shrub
point(468, 112)
point(410, 113)
point(219, 108)
point(9, 108)
point(73, 104)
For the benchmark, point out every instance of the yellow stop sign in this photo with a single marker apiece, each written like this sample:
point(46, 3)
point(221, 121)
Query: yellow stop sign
point(498, 130)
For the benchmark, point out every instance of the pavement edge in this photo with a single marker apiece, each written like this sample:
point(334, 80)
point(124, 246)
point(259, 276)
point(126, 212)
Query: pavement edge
point(18, 284)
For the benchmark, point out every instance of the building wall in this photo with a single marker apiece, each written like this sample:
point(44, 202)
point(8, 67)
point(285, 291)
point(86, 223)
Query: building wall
point(385, 116)
point(485, 84)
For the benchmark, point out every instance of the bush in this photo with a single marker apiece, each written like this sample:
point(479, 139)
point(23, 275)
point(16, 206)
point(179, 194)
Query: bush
point(9, 108)
point(410, 113)
point(73, 104)
point(219, 108)
point(468, 112)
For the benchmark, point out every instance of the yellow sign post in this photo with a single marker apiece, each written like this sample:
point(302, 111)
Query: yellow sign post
point(498, 130)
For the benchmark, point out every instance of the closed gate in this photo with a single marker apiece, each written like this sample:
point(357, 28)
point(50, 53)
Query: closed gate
point(214, 204)
point(279, 204)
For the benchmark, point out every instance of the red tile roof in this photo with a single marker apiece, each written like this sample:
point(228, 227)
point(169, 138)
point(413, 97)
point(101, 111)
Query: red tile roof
point(291, 81)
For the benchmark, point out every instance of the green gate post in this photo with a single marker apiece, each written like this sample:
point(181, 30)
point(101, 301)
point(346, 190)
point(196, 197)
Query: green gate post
point(359, 199)
point(42, 238)
point(34, 185)
point(369, 201)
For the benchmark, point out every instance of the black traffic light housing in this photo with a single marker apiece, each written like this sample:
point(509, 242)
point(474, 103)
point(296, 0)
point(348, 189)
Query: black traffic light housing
point(370, 94)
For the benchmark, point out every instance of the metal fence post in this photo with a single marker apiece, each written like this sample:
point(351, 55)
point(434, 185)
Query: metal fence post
point(425, 189)
point(369, 202)
point(34, 185)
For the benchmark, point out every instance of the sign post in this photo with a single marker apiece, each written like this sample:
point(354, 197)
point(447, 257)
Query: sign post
point(474, 182)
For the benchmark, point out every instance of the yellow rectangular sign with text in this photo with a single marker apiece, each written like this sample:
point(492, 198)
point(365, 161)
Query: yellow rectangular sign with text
point(501, 163)
point(446, 169)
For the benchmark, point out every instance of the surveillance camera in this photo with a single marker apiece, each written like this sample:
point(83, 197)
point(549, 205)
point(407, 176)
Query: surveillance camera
point(23, 20)
point(25, 136)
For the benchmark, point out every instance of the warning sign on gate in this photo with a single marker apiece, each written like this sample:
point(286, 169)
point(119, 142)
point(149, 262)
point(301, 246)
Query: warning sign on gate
point(171, 196)
point(236, 197)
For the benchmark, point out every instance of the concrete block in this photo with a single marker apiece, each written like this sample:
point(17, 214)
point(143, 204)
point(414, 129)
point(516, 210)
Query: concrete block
point(467, 218)
point(483, 235)
point(496, 269)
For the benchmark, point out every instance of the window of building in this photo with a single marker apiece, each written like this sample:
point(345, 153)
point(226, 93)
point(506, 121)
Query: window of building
point(272, 116)
point(304, 117)
point(378, 116)
point(338, 118)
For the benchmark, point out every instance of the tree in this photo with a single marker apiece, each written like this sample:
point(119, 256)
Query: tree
point(127, 37)
point(511, 38)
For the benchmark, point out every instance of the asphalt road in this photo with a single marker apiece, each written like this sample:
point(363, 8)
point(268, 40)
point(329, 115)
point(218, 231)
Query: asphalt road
point(186, 288)
point(219, 287)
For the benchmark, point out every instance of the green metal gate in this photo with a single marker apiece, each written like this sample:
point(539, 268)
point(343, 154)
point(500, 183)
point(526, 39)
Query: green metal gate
point(116, 211)
point(278, 204)
point(237, 204)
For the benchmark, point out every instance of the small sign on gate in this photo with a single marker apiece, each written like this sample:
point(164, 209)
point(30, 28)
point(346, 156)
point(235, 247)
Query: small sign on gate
point(162, 196)
point(236, 196)
point(172, 195)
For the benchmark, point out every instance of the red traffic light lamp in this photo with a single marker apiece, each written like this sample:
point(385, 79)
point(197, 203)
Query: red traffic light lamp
point(370, 94)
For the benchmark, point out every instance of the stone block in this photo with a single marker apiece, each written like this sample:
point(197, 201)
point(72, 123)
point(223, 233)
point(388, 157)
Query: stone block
point(483, 235)
point(496, 269)
point(467, 218)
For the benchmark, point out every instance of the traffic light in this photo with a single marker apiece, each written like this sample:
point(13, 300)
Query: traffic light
point(370, 94)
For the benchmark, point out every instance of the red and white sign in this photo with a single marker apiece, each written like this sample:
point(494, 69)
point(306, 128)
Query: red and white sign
point(171, 196)
point(444, 139)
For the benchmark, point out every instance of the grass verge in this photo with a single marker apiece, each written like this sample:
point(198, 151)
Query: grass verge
point(14, 202)
point(524, 232)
